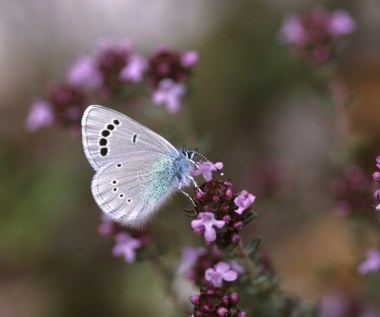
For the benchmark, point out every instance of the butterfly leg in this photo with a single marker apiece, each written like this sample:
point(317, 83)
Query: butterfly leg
point(186, 194)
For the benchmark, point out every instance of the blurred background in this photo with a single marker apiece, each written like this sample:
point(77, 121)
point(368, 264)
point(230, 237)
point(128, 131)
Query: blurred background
point(253, 106)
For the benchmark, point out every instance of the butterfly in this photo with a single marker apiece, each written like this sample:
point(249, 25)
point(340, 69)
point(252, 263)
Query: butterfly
point(136, 170)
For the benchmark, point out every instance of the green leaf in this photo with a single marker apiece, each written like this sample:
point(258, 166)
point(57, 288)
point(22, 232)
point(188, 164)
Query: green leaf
point(252, 246)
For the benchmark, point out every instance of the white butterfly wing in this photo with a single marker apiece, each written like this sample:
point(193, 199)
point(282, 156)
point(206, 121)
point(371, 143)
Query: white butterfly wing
point(109, 136)
point(134, 166)
point(129, 191)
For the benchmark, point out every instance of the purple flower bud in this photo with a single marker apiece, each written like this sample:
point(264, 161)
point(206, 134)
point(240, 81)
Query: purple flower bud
point(238, 225)
point(242, 314)
point(222, 312)
point(227, 218)
point(234, 298)
point(189, 59)
point(229, 193)
point(195, 299)
point(225, 300)
point(376, 177)
point(378, 161)
point(235, 238)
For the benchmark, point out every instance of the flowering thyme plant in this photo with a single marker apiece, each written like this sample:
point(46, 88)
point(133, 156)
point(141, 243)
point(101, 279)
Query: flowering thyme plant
point(114, 71)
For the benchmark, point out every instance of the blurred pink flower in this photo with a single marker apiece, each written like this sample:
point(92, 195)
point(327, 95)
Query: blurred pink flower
point(169, 93)
point(134, 70)
point(40, 115)
point(189, 59)
point(311, 35)
point(371, 263)
point(341, 23)
point(189, 257)
point(85, 72)
point(126, 246)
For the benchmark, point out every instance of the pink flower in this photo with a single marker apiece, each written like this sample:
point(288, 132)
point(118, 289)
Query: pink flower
point(220, 272)
point(134, 70)
point(106, 227)
point(189, 59)
point(341, 23)
point(371, 264)
point(169, 93)
point(243, 201)
point(40, 115)
point(206, 168)
point(204, 225)
point(292, 30)
point(189, 257)
point(84, 72)
point(126, 246)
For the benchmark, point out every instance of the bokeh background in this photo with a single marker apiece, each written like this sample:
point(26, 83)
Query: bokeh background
point(252, 106)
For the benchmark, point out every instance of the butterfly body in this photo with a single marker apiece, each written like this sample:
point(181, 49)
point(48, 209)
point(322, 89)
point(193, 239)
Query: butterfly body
point(136, 169)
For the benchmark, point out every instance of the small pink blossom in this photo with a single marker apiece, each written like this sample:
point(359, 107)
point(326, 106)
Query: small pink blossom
point(189, 257)
point(243, 201)
point(221, 271)
point(206, 168)
point(84, 72)
point(292, 30)
point(169, 93)
point(341, 23)
point(40, 115)
point(106, 227)
point(126, 246)
point(204, 225)
point(134, 70)
point(189, 59)
point(371, 263)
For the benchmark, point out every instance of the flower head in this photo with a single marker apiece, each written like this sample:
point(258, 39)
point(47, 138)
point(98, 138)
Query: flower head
point(204, 224)
point(68, 104)
point(111, 60)
point(206, 168)
point(40, 115)
point(217, 198)
point(243, 201)
point(172, 65)
point(216, 302)
point(221, 271)
point(126, 246)
point(169, 93)
point(313, 34)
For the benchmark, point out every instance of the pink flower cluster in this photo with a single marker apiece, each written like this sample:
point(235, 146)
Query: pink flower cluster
point(376, 178)
point(109, 72)
point(221, 212)
point(312, 35)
